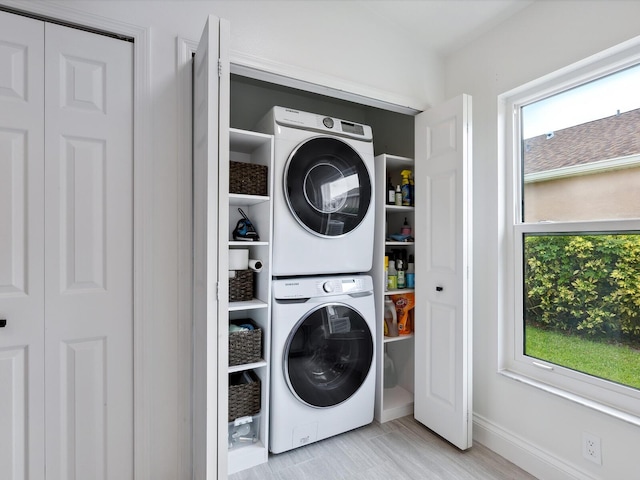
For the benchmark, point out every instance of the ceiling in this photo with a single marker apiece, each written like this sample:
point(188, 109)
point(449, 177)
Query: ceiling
point(444, 25)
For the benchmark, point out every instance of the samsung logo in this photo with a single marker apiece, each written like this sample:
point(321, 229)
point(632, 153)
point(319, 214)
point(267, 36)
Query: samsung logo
point(292, 284)
point(291, 111)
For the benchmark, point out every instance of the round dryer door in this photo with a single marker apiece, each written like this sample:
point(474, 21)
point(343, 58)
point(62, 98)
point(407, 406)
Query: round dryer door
point(327, 186)
point(328, 355)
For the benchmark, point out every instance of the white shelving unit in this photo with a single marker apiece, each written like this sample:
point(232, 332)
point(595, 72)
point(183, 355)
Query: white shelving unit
point(256, 148)
point(396, 401)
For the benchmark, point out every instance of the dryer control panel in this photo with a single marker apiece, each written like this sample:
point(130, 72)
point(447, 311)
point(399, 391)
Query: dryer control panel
point(321, 123)
point(314, 287)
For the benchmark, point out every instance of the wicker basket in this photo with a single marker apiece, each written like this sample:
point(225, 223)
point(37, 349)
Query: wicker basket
point(241, 286)
point(245, 346)
point(244, 394)
point(247, 178)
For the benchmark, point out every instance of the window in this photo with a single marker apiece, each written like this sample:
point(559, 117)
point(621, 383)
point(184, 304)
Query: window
point(574, 182)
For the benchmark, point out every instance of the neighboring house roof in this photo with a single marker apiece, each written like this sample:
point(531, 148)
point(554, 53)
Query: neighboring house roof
point(608, 138)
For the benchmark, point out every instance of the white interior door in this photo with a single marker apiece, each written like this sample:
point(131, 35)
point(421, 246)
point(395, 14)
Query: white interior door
point(210, 211)
point(443, 234)
point(66, 239)
point(88, 255)
point(21, 248)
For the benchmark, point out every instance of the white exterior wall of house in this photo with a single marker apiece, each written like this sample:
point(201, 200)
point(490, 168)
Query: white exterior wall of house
point(539, 431)
point(291, 36)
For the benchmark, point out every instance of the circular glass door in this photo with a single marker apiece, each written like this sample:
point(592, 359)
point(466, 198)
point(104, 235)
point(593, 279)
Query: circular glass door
point(328, 355)
point(327, 186)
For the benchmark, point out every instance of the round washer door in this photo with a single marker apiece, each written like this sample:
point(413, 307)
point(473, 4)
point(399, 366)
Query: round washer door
point(328, 355)
point(327, 186)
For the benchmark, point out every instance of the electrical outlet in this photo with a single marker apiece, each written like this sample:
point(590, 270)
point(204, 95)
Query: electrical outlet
point(591, 448)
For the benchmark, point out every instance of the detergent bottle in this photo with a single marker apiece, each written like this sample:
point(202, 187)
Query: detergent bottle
point(390, 317)
point(406, 187)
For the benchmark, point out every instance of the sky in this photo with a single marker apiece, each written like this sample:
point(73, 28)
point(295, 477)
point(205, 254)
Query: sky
point(592, 101)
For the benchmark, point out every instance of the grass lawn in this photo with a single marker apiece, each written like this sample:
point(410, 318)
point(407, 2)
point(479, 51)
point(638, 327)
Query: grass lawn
point(618, 363)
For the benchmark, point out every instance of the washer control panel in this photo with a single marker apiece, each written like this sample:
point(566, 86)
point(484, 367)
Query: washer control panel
point(313, 287)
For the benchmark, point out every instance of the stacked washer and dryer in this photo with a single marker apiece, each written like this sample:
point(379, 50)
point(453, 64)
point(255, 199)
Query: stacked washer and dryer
point(323, 315)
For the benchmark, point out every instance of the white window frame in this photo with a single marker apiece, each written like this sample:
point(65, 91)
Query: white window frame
point(605, 396)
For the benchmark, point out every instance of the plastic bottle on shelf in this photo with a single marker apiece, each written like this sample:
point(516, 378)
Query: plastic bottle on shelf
point(410, 275)
point(406, 188)
point(390, 317)
point(386, 272)
point(401, 270)
point(406, 228)
point(398, 195)
point(412, 187)
point(392, 276)
point(390, 376)
point(391, 192)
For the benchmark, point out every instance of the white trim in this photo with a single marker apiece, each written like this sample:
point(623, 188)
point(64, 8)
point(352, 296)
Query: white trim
point(584, 169)
point(518, 450)
point(322, 84)
point(143, 206)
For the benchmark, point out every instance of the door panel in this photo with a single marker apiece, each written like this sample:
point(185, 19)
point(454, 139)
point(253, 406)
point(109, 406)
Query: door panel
point(88, 255)
point(443, 239)
point(211, 86)
point(21, 252)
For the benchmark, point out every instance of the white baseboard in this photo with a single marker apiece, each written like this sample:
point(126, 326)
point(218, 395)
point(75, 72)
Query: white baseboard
point(538, 462)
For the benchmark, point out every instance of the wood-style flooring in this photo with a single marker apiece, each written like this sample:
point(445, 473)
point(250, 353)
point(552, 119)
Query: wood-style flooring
point(399, 449)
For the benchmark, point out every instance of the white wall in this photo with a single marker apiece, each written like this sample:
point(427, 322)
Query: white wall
point(319, 40)
point(513, 417)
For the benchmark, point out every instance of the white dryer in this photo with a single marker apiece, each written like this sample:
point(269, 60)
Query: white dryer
point(323, 193)
point(322, 366)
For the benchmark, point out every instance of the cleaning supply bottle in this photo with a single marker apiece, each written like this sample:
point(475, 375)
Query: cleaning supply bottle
point(391, 192)
point(400, 273)
point(390, 317)
point(386, 272)
point(406, 228)
point(392, 275)
point(406, 188)
point(410, 276)
point(390, 376)
point(413, 190)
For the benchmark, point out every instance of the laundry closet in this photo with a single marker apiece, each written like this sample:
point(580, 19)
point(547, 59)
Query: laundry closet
point(432, 367)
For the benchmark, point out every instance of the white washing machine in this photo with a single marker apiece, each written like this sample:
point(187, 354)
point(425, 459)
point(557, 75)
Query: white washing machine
point(322, 366)
point(323, 193)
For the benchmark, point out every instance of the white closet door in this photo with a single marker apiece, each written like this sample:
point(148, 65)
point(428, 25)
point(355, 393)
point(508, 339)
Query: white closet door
point(21, 249)
point(211, 84)
point(443, 248)
point(88, 255)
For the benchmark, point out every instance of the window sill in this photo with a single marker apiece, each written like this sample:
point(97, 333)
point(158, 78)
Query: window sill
point(572, 397)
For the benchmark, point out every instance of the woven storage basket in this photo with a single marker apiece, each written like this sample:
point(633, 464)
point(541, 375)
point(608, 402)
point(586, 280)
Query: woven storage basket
point(245, 346)
point(247, 178)
point(241, 286)
point(244, 394)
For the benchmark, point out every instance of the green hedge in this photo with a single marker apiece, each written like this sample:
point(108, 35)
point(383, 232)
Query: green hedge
point(587, 285)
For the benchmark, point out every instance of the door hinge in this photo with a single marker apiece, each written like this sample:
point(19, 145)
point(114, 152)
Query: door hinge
point(219, 68)
point(217, 291)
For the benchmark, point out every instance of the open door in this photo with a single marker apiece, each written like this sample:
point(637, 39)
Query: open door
point(443, 354)
point(210, 211)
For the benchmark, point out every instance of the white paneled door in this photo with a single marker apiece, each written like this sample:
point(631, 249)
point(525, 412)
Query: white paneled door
point(66, 239)
point(443, 249)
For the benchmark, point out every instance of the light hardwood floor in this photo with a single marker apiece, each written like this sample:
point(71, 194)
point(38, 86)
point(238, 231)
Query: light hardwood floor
point(400, 449)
